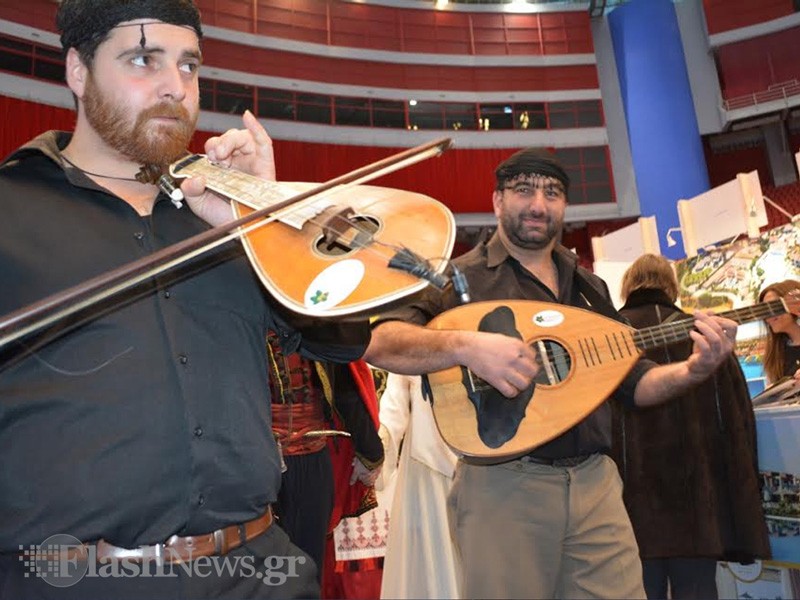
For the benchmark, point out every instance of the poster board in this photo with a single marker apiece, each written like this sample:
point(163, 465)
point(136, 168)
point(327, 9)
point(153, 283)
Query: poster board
point(723, 212)
point(612, 272)
point(616, 251)
point(629, 243)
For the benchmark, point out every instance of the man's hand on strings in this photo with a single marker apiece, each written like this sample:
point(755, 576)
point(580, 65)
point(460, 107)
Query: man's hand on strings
point(248, 150)
point(506, 363)
point(714, 338)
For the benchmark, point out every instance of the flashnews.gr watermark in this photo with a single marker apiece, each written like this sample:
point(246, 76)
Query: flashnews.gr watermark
point(62, 560)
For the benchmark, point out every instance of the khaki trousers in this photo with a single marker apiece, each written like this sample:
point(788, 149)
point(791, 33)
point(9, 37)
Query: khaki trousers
point(525, 530)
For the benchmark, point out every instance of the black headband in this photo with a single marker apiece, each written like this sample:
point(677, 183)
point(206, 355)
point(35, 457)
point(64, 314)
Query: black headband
point(531, 161)
point(82, 21)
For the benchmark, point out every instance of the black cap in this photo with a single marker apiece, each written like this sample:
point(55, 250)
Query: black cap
point(89, 21)
point(531, 161)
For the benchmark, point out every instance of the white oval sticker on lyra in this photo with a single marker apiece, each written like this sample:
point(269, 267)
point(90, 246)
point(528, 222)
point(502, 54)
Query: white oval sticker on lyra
point(548, 318)
point(334, 283)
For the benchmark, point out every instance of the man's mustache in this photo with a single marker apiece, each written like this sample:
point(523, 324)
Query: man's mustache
point(166, 111)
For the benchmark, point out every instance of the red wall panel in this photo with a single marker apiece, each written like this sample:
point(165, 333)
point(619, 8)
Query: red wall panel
point(374, 27)
point(724, 15)
point(794, 141)
point(461, 178)
point(724, 166)
point(376, 74)
point(755, 64)
point(36, 13)
point(412, 30)
point(433, 32)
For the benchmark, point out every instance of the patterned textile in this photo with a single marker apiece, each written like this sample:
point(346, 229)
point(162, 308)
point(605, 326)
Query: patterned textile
point(297, 401)
point(363, 536)
point(342, 578)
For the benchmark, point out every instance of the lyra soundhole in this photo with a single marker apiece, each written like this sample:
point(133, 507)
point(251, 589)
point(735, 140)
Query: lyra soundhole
point(346, 232)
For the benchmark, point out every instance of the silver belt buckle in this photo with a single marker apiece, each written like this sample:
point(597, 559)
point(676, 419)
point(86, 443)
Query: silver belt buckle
point(159, 550)
point(219, 541)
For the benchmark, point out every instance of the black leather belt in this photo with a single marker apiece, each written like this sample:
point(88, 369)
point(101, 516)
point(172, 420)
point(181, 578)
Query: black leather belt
point(568, 461)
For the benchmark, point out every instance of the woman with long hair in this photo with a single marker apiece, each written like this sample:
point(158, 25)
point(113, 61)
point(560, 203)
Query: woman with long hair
point(782, 356)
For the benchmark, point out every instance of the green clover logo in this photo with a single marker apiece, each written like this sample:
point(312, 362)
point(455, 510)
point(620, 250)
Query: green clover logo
point(319, 296)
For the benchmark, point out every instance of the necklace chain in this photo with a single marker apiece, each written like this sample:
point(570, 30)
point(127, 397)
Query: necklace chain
point(85, 172)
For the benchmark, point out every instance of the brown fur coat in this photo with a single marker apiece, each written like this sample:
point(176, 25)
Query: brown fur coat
point(690, 465)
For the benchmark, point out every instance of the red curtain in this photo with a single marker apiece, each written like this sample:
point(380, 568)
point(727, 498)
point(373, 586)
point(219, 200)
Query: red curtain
point(25, 120)
point(462, 179)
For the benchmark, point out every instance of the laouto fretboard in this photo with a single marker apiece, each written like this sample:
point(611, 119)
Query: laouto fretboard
point(669, 333)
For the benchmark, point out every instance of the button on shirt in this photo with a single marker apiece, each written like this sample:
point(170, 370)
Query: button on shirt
point(150, 416)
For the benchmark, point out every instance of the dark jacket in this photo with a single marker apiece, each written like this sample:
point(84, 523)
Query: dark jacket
point(148, 414)
point(690, 465)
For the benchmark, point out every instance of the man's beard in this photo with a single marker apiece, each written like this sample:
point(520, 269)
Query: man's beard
point(516, 232)
point(142, 141)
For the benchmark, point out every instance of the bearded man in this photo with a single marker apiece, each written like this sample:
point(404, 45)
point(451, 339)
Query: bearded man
point(136, 437)
point(551, 523)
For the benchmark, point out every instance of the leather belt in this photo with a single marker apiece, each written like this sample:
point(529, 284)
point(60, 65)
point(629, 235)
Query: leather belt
point(179, 549)
point(568, 461)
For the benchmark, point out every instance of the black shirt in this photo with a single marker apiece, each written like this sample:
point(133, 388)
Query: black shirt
point(493, 274)
point(147, 415)
point(791, 360)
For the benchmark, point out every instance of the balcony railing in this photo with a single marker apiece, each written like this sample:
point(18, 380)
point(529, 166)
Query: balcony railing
point(777, 91)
